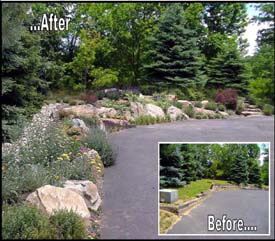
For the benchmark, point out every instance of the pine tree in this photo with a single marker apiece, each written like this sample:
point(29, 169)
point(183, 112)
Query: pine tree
point(254, 176)
point(171, 174)
point(175, 56)
point(189, 166)
point(239, 167)
point(265, 169)
point(227, 69)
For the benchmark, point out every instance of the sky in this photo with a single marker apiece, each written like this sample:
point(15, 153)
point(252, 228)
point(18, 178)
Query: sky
point(262, 147)
point(252, 29)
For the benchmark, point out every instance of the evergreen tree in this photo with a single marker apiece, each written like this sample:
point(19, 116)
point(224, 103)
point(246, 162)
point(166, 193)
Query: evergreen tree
point(22, 85)
point(191, 168)
point(265, 169)
point(239, 167)
point(174, 54)
point(171, 173)
point(254, 176)
point(227, 69)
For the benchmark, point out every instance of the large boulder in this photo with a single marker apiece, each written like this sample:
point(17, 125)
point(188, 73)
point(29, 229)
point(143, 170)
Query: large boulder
point(137, 109)
point(87, 110)
point(154, 111)
point(204, 103)
point(185, 103)
point(201, 110)
point(174, 113)
point(127, 116)
point(78, 123)
point(171, 97)
point(88, 190)
point(51, 111)
point(105, 112)
point(50, 198)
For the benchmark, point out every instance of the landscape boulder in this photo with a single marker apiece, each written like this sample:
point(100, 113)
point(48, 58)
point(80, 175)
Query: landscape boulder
point(185, 103)
point(51, 111)
point(78, 123)
point(49, 198)
point(127, 116)
point(137, 109)
point(154, 111)
point(105, 112)
point(174, 113)
point(171, 97)
point(204, 103)
point(87, 110)
point(88, 190)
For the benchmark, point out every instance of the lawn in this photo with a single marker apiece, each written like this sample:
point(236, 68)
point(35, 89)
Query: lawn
point(191, 190)
point(166, 220)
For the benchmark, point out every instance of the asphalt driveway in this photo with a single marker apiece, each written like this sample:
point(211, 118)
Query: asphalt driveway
point(130, 208)
point(251, 206)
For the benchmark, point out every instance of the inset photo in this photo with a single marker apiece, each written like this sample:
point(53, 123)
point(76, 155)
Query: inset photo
point(214, 189)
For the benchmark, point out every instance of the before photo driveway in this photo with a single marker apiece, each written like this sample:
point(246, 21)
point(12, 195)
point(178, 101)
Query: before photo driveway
point(249, 205)
point(130, 208)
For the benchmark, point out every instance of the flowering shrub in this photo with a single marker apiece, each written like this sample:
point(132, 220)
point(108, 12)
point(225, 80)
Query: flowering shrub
point(228, 97)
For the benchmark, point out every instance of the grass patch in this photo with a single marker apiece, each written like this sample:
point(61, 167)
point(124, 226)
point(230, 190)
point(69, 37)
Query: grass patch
point(192, 189)
point(166, 219)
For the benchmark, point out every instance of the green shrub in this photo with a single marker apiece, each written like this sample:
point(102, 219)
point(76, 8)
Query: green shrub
point(189, 111)
point(200, 115)
point(211, 116)
point(240, 107)
point(179, 94)
point(167, 118)
point(17, 180)
point(163, 104)
point(268, 109)
point(149, 120)
point(197, 104)
point(91, 122)
point(66, 99)
point(68, 225)
point(211, 106)
point(97, 140)
point(67, 122)
point(46, 146)
point(218, 116)
point(221, 107)
point(77, 169)
point(74, 131)
point(130, 96)
point(25, 222)
point(73, 102)
point(194, 94)
point(177, 104)
point(14, 120)
point(145, 120)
